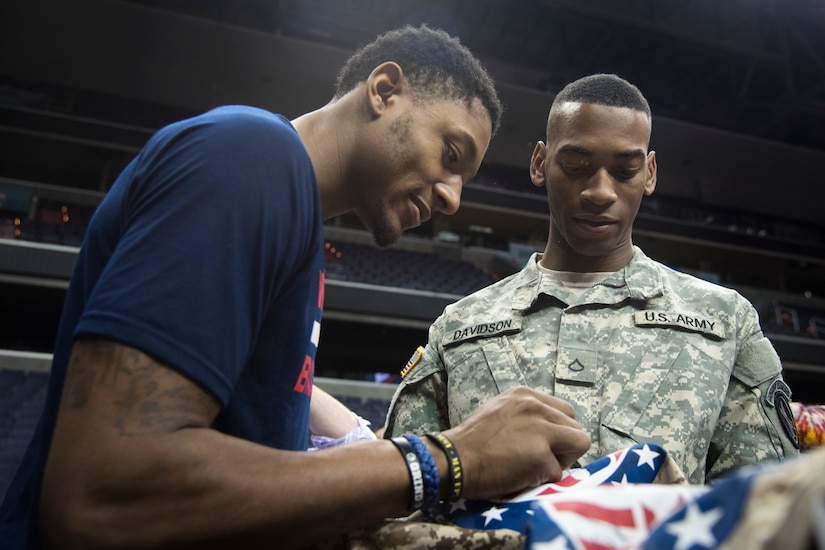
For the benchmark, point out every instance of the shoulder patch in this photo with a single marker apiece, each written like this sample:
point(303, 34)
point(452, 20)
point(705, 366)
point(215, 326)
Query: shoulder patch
point(482, 330)
point(687, 320)
point(413, 361)
point(778, 396)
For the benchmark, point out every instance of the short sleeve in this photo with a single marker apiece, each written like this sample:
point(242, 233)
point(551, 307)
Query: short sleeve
point(215, 216)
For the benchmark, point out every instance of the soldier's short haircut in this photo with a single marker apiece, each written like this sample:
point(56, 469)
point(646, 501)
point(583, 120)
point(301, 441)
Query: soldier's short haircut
point(603, 89)
point(436, 65)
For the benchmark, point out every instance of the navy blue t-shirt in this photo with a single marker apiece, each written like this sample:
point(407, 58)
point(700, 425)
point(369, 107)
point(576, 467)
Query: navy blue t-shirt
point(207, 253)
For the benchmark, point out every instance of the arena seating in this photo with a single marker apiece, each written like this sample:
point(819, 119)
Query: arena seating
point(21, 398)
point(372, 409)
point(403, 268)
point(55, 222)
point(795, 321)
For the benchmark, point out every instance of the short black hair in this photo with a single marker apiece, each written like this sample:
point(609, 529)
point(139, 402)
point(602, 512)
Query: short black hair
point(603, 89)
point(436, 65)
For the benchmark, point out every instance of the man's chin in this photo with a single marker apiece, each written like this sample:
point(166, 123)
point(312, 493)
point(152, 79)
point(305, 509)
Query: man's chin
point(384, 233)
point(385, 239)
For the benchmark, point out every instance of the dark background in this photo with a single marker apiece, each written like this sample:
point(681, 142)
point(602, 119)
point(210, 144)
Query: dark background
point(737, 90)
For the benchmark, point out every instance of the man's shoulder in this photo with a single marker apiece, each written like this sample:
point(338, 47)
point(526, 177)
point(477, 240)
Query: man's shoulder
point(230, 122)
point(230, 112)
point(235, 135)
point(488, 312)
point(689, 286)
point(246, 118)
point(495, 296)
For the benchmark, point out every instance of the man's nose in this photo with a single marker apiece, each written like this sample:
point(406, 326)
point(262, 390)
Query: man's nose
point(600, 188)
point(448, 194)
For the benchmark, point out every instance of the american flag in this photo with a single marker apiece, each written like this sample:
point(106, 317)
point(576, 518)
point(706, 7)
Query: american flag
point(611, 504)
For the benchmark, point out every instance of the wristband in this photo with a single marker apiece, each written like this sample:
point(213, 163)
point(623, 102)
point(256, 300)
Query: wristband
point(422, 469)
point(414, 468)
point(453, 465)
point(429, 471)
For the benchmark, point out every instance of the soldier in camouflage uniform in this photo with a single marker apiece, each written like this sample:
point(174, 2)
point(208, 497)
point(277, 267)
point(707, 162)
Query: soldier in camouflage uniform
point(642, 353)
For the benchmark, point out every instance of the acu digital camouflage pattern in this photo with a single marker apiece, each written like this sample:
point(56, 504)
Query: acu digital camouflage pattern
point(647, 355)
point(419, 533)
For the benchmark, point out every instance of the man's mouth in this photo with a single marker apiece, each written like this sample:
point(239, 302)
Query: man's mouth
point(422, 211)
point(595, 224)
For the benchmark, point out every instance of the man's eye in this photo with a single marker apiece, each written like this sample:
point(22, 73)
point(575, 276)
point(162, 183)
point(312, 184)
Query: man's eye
point(452, 154)
point(572, 168)
point(627, 174)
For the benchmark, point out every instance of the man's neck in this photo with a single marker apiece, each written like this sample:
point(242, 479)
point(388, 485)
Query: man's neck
point(563, 259)
point(576, 279)
point(329, 143)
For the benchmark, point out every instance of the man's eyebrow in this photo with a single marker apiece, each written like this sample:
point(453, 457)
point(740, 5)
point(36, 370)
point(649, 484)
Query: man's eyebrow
point(472, 148)
point(578, 149)
point(569, 148)
point(633, 153)
point(468, 140)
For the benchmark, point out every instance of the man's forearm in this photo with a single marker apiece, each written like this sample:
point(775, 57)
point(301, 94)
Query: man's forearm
point(200, 487)
point(329, 417)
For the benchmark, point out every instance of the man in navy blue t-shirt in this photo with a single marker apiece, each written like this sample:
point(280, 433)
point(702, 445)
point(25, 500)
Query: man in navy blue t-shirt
point(178, 403)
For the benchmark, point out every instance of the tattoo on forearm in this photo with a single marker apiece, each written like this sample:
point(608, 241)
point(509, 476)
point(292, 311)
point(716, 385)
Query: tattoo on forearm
point(143, 395)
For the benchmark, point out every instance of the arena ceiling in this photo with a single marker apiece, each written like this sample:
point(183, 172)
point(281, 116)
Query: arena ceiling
point(737, 87)
point(755, 67)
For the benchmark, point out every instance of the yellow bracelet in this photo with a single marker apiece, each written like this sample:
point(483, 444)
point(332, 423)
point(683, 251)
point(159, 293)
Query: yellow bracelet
point(453, 464)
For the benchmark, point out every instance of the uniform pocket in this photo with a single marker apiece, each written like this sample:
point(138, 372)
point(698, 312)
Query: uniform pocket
point(673, 398)
point(478, 371)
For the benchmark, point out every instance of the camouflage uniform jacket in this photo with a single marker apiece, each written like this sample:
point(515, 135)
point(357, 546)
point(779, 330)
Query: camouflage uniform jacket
point(647, 355)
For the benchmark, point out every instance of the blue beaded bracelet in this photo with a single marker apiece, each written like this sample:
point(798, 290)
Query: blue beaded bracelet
point(422, 469)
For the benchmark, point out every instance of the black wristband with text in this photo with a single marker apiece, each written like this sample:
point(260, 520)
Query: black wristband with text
point(414, 469)
point(453, 464)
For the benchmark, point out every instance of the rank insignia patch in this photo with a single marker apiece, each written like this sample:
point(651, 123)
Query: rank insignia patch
point(412, 361)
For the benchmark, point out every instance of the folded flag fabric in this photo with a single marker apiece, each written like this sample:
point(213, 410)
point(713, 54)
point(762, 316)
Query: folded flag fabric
point(620, 502)
point(639, 464)
point(635, 499)
point(607, 517)
point(768, 506)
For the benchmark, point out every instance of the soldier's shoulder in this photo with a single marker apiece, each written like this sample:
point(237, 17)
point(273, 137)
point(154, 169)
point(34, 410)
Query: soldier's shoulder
point(498, 294)
point(687, 285)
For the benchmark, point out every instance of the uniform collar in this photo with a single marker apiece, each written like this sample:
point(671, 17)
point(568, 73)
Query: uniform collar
point(639, 279)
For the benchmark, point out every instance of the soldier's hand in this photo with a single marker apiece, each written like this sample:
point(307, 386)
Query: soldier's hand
point(519, 439)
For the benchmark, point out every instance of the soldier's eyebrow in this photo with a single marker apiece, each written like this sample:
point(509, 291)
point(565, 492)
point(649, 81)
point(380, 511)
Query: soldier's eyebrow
point(578, 149)
point(633, 153)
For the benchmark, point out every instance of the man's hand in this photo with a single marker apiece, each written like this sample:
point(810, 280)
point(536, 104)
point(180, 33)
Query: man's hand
point(519, 439)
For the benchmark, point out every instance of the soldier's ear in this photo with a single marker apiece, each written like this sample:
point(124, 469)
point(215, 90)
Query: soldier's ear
point(537, 162)
point(650, 184)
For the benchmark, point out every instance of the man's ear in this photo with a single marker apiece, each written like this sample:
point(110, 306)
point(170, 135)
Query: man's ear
point(650, 184)
point(537, 164)
point(384, 83)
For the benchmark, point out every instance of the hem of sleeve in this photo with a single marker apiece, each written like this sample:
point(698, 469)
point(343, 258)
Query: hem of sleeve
point(160, 346)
